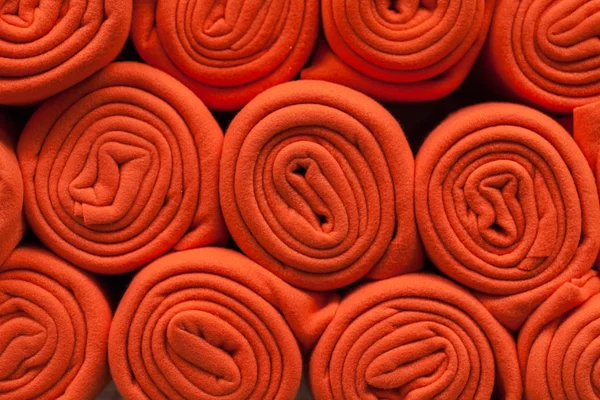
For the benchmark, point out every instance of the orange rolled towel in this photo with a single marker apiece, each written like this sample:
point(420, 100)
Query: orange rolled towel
point(317, 186)
point(226, 52)
point(122, 168)
point(54, 325)
point(507, 205)
point(209, 323)
point(401, 51)
point(49, 46)
point(415, 336)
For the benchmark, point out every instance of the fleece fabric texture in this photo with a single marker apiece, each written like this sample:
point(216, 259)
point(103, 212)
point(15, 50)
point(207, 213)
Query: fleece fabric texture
point(507, 205)
point(415, 336)
point(122, 168)
point(210, 323)
point(49, 46)
point(545, 54)
point(12, 223)
point(54, 325)
point(227, 52)
point(400, 51)
point(317, 186)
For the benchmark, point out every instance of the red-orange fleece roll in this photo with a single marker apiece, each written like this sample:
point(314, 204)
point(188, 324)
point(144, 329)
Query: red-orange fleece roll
point(122, 168)
point(47, 46)
point(211, 324)
point(227, 52)
point(54, 325)
point(507, 205)
point(400, 51)
point(546, 53)
point(317, 186)
point(414, 337)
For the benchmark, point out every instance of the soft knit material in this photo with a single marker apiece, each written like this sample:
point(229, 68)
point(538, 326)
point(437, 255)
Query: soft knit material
point(413, 337)
point(545, 54)
point(559, 344)
point(12, 225)
point(122, 168)
point(49, 46)
point(317, 186)
point(400, 51)
point(210, 323)
point(507, 205)
point(54, 325)
point(226, 52)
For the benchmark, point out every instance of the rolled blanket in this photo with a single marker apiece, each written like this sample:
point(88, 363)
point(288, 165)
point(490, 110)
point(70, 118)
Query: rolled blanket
point(122, 168)
point(415, 336)
point(54, 325)
point(546, 54)
point(401, 51)
point(558, 345)
point(317, 186)
point(209, 323)
point(49, 46)
point(227, 52)
point(507, 205)
point(12, 225)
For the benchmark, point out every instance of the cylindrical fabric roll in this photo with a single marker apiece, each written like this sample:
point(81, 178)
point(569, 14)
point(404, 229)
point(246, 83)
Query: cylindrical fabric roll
point(54, 325)
point(545, 54)
point(507, 205)
point(48, 46)
point(559, 345)
point(211, 324)
point(317, 186)
point(226, 52)
point(12, 223)
point(122, 168)
point(401, 51)
point(415, 336)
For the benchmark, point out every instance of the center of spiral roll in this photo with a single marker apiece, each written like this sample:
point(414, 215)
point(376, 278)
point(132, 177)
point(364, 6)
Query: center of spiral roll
point(20, 339)
point(38, 15)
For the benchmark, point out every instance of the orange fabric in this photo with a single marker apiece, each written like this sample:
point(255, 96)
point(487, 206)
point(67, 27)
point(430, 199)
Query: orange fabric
point(558, 345)
point(317, 186)
point(413, 337)
point(403, 51)
point(210, 323)
point(54, 325)
point(506, 205)
point(12, 223)
point(545, 54)
point(226, 52)
point(49, 46)
point(122, 168)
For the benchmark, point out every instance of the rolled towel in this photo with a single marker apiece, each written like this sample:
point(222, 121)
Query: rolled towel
point(317, 186)
point(559, 344)
point(49, 46)
point(226, 52)
point(507, 205)
point(546, 54)
point(209, 323)
point(54, 325)
point(401, 51)
point(122, 168)
point(415, 336)
point(12, 225)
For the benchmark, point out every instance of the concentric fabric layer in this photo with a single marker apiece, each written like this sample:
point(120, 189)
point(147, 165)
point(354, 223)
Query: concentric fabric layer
point(507, 205)
point(122, 168)
point(227, 52)
point(317, 186)
point(54, 325)
point(401, 51)
point(47, 46)
point(546, 53)
point(413, 337)
point(211, 324)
